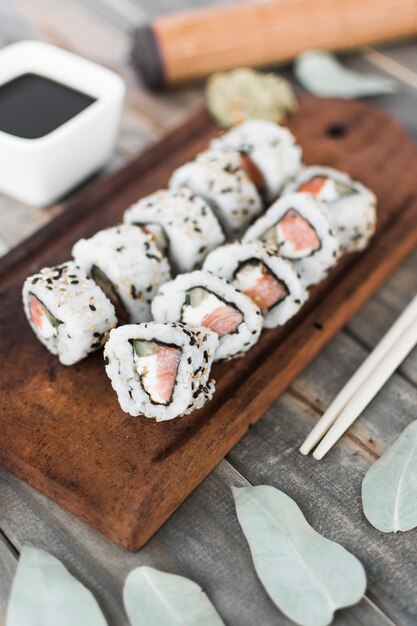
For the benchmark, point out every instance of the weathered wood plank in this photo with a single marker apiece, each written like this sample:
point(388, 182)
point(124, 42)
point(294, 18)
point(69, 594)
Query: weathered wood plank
point(376, 317)
point(124, 14)
point(80, 29)
point(399, 60)
point(202, 540)
point(19, 220)
point(4, 245)
point(74, 27)
point(400, 105)
point(329, 491)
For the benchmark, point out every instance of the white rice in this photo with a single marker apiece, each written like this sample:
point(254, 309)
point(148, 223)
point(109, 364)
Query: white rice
point(189, 224)
point(84, 313)
point(314, 266)
point(168, 306)
point(352, 217)
point(226, 260)
point(271, 147)
point(132, 262)
point(220, 179)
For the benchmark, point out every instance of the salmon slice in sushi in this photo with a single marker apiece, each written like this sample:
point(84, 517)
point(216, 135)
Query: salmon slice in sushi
point(68, 312)
point(201, 298)
point(298, 226)
point(45, 323)
point(295, 236)
point(255, 280)
point(157, 366)
point(257, 270)
point(159, 370)
point(349, 205)
point(269, 154)
point(210, 311)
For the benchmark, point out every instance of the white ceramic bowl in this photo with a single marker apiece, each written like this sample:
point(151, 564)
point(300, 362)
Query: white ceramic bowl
point(39, 171)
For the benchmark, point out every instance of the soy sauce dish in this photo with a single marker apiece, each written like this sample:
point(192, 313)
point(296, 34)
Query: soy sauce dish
point(59, 118)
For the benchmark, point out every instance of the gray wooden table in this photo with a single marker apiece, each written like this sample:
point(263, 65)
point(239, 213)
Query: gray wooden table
point(202, 540)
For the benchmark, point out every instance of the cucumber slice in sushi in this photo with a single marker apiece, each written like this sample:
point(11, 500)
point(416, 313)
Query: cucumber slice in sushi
point(344, 190)
point(196, 296)
point(109, 290)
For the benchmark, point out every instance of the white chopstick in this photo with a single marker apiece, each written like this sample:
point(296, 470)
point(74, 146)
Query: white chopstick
point(380, 354)
point(379, 376)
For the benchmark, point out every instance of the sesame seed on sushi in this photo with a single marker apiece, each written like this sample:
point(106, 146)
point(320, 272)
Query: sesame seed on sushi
point(201, 298)
point(68, 313)
point(161, 371)
point(189, 225)
point(349, 205)
point(221, 180)
point(127, 265)
point(269, 153)
point(259, 272)
point(298, 226)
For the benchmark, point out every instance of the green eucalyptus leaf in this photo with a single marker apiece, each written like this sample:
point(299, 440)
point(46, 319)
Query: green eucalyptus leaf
point(306, 575)
point(389, 489)
point(154, 598)
point(322, 74)
point(45, 594)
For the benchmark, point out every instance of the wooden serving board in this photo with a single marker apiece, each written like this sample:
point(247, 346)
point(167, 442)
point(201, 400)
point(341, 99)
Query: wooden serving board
point(62, 430)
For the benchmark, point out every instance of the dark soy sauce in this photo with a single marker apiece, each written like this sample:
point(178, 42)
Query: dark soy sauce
point(31, 106)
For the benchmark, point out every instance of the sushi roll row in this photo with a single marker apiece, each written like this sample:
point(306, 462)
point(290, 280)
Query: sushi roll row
point(217, 195)
point(198, 269)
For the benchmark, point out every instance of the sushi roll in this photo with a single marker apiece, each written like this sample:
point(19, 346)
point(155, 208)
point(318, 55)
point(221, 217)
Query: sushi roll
point(68, 313)
point(204, 299)
point(188, 224)
point(220, 179)
point(161, 371)
point(127, 265)
point(258, 271)
point(269, 154)
point(298, 226)
point(350, 206)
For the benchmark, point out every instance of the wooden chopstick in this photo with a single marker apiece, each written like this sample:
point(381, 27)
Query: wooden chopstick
point(378, 355)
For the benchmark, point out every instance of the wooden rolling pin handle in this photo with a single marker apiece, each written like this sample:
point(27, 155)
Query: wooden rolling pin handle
point(193, 44)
